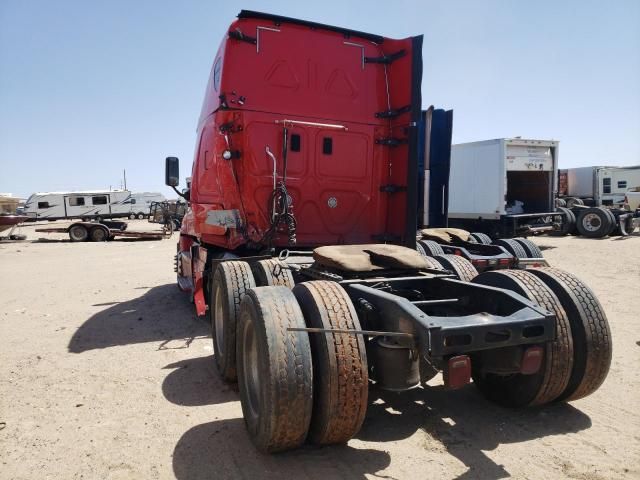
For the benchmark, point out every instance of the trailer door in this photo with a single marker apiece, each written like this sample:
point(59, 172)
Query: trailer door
point(77, 206)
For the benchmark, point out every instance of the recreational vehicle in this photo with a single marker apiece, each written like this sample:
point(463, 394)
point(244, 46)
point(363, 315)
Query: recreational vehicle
point(95, 204)
point(141, 202)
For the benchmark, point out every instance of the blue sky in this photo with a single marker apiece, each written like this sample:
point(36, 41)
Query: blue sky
point(88, 89)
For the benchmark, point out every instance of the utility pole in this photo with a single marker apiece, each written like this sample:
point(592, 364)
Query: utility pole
point(124, 175)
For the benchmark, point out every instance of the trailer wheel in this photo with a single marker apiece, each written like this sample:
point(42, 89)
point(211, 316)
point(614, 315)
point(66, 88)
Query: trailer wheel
point(533, 251)
point(140, 216)
point(231, 281)
point(263, 273)
point(431, 248)
point(594, 222)
point(78, 233)
point(567, 224)
point(275, 373)
point(512, 246)
point(99, 234)
point(550, 381)
point(482, 238)
point(341, 378)
point(589, 328)
point(462, 267)
point(132, 216)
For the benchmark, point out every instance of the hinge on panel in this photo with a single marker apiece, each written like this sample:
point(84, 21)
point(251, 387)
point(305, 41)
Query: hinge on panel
point(391, 188)
point(238, 35)
point(386, 237)
point(393, 112)
point(391, 141)
point(386, 59)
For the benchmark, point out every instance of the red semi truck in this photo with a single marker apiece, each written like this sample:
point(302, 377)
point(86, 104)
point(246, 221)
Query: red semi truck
point(300, 245)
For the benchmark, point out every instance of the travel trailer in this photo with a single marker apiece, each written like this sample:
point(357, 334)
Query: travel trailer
point(94, 204)
point(141, 202)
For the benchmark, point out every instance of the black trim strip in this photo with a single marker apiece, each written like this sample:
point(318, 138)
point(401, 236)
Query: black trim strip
point(238, 35)
point(277, 19)
point(386, 59)
point(412, 167)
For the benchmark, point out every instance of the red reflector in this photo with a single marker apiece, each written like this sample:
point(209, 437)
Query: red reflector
point(531, 360)
point(458, 372)
point(480, 262)
point(504, 261)
point(458, 252)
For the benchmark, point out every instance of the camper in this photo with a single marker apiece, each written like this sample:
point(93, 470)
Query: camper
point(91, 204)
point(141, 202)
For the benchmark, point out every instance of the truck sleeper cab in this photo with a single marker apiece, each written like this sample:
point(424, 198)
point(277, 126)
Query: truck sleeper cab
point(300, 245)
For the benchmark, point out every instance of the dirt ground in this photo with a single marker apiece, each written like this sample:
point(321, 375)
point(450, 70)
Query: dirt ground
point(105, 372)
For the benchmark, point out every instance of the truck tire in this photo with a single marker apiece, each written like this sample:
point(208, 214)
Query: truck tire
point(551, 380)
point(132, 216)
point(99, 234)
point(572, 202)
point(589, 329)
point(533, 251)
point(561, 202)
point(340, 373)
point(431, 248)
point(568, 224)
point(614, 224)
point(275, 374)
point(420, 249)
point(482, 238)
point(264, 276)
point(231, 281)
point(78, 233)
point(140, 216)
point(461, 267)
point(512, 246)
point(594, 222)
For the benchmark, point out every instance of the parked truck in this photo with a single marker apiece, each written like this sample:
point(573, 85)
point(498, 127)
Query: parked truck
point(504, 187)
point(299, 245)
point(598, 199)
point(599, 186)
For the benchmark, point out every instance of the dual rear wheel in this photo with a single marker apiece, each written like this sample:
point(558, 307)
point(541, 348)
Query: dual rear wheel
point(294, 386)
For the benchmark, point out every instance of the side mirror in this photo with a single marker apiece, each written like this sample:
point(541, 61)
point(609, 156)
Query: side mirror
point(172, 171)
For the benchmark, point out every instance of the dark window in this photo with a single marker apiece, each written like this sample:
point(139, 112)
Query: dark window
point(622, 184)
point(606, 185)
point(101, 200)
point(43, 204)
point(295, 142)
point(76, 201)
point(133, 201)
point(327, 145)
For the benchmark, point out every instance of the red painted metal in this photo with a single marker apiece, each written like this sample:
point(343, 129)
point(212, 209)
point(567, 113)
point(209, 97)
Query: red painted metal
point(318, 76)
point(457, 372)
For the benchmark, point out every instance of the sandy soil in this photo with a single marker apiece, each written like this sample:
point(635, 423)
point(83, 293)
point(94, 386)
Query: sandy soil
point(106, 373)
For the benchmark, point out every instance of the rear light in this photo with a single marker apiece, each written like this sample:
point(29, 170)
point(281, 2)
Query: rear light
point(457, 252)
point(531, 360)
point(479, 262)
point(504, 261)
point(457, 372)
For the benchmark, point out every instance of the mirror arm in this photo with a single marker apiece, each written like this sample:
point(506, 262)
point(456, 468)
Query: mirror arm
point(186, 197)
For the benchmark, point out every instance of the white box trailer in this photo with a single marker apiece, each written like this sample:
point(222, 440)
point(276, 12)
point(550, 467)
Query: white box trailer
point(598, 186)
point(90, 204)
point(504, 187)
point(140, 203)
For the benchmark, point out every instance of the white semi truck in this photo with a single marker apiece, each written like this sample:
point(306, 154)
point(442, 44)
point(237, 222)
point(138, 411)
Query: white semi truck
point(599, 186)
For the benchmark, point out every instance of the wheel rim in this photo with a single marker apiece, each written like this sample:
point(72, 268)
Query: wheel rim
point(251, 378)
point(218, 322)
point(99, 235)
point(591, 222)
